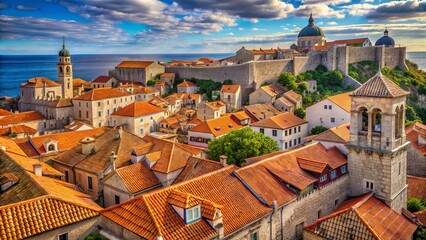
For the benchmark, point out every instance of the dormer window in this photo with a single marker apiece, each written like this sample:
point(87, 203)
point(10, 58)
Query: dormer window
point(193, 214)
point(7, 180)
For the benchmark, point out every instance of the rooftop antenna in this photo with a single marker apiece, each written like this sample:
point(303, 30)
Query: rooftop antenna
point(63, 42)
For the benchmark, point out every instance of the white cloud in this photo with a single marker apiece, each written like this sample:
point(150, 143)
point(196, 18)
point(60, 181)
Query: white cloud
point(318, 10)
point(231, 33)
point(258, 29)
point(240, 28)
point(332, 23)
point(327, 2)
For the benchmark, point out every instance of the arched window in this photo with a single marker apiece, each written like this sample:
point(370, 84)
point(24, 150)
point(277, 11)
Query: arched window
point(68, 69)
point(363, 119)
point(377, 120)
point(51, 147)
point(397, 116)
point(61, 70)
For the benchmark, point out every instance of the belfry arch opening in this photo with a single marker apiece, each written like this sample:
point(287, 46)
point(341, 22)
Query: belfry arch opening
point(376, 120)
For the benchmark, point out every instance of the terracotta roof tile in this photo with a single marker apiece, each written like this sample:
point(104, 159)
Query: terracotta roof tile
point(27, 164)
point(66, 140)
point(5, 113)
point(101, 79)
point(138, 109)
point(421, 216)
point(145, 90)
point(293, 96)
point(156, 217)
point(39, 82)
point(379, 87)
point(311, 165)
point(268, 176)
point(186, 84)
point(8, 177)
point(134, 64)
point(261, 111)
point(413, 132)
point(18, 129)
point(102, 93)
point(11, 146)
point(282, 121)
point(342, 100)
point(196, 167)
point(416, 187)
point(230, 88)
point(215, 105)
point(320, 48)
point(182, 200)
point(372, 219)
point(137, 177)
point(273, 89)
point(339, 134)
point(77, 82)
point(78, 126)
point(347, 41)
point(21, 118)
point(285, 101)
point(219, 126)
point(167, 74)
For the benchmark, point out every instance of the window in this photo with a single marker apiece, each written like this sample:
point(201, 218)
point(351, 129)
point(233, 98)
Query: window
point(262, 131)
point(333, 174)
point(295, 130)
point(141, 131)
point(289, 132)
point(336, 202)
point(274, 133)
point(152, 118)
point(115, 101)
point(45, 125)
point(285, 132)
point(193, 214)
point(325, 106)
point(99, 124)
point(289, 143)
point(79, 114)
point(66, 176)
point(87, 114)
point(87, 104)
point(399, 168)
point(329, 107)
point(319, 214)
point(295, 142)
point(121, 99)
point(108, 102)
point(333, 120)
point(299, 128)
point(343, 169)
point(254, 236)
point(117, 199)
point(369, 185)
point(89, 183)
point(286, 145)
point(51, 147)
point(323, 178)
point(108, 112)
point(141, 119)
point(99, 113)
point(63, 236)
point(299, 140)
point(99, 104)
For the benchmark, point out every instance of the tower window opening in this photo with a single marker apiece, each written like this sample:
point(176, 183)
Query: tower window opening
point(364, 119)
point(377, 121)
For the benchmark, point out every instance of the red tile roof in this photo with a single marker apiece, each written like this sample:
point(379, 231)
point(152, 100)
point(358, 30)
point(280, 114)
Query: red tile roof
point(281, 121)
point(261, 111)
point(416, 187)
point(273, 89)
point(186, 84)
point(134, 64)
point(342, 100)
point(101, 79)
point(17, 129)
point(5, 113)
point(22, 117)
point(77, 82)
point(196, 167)
point(413, 132)
point(102, 93)
point(339, 134)
point(347, 41)
point(167, 74)
point(39, 82)
point(371, 218)
point(268, 176)
point(220, 126)
point(379, 87)
point(137, 177)
point(151, 215)
point(138, 109)
point(230, 88)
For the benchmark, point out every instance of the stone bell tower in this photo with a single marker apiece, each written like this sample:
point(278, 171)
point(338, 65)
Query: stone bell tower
point(65, 72)
point(377, 158)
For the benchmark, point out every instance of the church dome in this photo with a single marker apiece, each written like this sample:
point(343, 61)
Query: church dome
point(311, 29)
point(385, 40)
point(64, 52)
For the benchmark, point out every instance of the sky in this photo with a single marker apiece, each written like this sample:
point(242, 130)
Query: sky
point(198, 26)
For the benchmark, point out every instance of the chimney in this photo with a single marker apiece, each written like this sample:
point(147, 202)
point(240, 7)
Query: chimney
point(218, 224)
point(87, 145)
point(112, 158)
point(3, 148)
point(274, 205)
point(37, 169)
point(120, 132)
point(223, 160)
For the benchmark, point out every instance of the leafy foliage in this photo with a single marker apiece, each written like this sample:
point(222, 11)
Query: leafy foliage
point(420, 233)
point(95, 236)
point(151, 82)
point(362, 71)
point(332, 78)
point(318, 129)
point(416, 204)
point(240, 144)
point(287, 80)
point(300, 112)
point(227, 82)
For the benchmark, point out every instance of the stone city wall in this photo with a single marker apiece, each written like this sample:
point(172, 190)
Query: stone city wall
point(269, 71)
point(416, 162)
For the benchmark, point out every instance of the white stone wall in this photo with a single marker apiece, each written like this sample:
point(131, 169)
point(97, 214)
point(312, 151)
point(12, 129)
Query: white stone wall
point(149, 123)
point(317, 115)
point(199, 134)
point(281, 137)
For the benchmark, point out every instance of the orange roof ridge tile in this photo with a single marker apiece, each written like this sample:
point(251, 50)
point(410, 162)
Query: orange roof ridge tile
point(365, 222)
point(150, 211)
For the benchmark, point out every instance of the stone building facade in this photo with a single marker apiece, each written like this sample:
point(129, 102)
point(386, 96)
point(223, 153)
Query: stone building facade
point(137, 71)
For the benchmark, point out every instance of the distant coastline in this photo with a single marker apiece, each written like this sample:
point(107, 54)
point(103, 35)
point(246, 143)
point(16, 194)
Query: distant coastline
point(16, 69)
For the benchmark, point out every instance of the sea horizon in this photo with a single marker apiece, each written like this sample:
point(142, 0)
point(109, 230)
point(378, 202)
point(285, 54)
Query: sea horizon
point(17, 69)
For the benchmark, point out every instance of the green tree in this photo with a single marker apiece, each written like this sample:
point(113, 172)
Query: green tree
point(318, 129)
point(420, 233)
point(415, 205)
point(300, 112)
point(227, 82)
point(95, 236)
point(240, 144)
point(287, 80)
point(151, 82)
point(321, 69)
point(333, 78)
point(302, 86)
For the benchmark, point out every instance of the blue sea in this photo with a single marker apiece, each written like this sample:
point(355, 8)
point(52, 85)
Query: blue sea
point(16, 69)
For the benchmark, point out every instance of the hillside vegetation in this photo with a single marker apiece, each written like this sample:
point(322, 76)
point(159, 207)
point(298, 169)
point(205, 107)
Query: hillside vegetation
point(413, 80)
